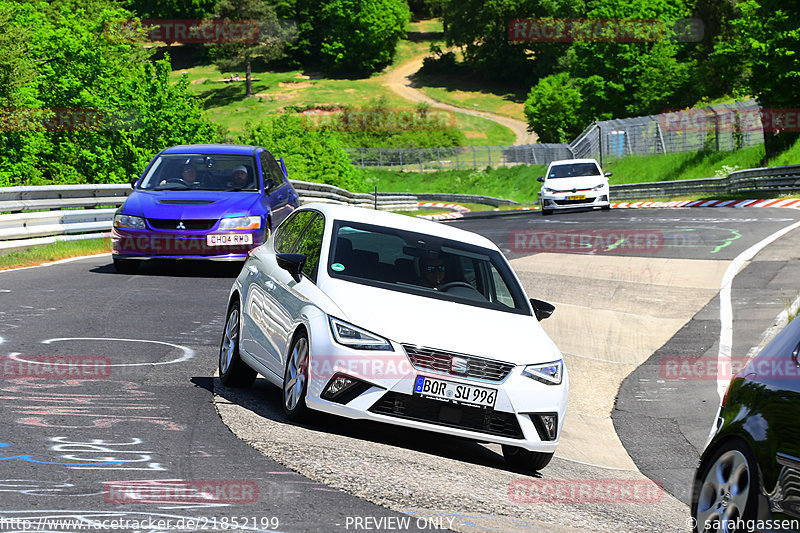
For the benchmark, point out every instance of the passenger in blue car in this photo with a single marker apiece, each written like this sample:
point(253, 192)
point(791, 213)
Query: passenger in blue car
point(240, 179)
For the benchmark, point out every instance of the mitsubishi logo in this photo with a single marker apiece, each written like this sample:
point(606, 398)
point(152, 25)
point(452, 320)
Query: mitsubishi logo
point(180, 225)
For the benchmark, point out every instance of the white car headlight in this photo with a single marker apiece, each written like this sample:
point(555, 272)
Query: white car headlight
point(355, 337)
point(599, 187)
point(127, 221)
point(230, 223)
point(548, 190)
point(547, 373)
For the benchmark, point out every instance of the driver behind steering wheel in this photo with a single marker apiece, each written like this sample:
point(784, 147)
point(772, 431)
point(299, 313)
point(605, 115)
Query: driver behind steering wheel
point(188, 175)
point(434, 271)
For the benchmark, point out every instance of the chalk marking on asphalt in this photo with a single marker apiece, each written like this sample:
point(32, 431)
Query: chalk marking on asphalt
point(188, 353)
point(726, 307)
point(597, 466)
point(59, 262)
point(599, 359)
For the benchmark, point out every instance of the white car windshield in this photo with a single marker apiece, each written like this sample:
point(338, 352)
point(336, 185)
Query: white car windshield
point(572, 170)
point(424, 265)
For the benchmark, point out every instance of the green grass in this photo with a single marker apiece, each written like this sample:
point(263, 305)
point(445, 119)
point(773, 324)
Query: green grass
point(513, 183)
point(53, 252)
point(226, 104)
point(682, 166)
point(789, 157)
point(467, 90)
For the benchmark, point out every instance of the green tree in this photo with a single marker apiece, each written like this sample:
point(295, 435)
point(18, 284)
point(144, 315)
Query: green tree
point(268, 45)
point(480, 29)
point(170, 9)
point(770, 31)
point(82, 70)
point(553, 109)
point(350, 36)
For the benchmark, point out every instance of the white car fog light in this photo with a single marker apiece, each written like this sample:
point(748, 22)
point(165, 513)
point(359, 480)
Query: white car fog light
point(337, 385)
point(546, 425)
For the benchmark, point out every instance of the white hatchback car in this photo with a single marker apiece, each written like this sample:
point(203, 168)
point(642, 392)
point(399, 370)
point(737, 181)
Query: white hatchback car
point(372, 315)
point(571, 183)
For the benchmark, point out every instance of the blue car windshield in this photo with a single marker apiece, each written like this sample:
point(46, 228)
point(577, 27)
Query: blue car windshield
point(207, 172)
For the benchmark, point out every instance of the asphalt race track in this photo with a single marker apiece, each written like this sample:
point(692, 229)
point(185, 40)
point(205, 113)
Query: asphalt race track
point(154, 417)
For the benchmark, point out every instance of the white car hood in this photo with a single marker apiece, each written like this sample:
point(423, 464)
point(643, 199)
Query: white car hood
point(567, 184)
point(432, 323)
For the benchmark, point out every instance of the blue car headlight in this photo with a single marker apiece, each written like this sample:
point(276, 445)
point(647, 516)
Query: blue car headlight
point(355, 337)
point(230, 223)
point(547, 373)
point(127, 221)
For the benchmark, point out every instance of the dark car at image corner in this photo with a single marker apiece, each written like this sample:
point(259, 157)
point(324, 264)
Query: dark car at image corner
point(749, 473)
point(212, 202)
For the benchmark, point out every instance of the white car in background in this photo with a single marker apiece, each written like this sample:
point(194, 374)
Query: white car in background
point(572, 183)
point(377, 316)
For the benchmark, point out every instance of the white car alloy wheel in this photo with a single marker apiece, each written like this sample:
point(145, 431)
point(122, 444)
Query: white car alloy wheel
point(295, 379)
point(232, 370)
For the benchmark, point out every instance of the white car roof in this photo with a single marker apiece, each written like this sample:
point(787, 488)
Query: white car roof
point(393, 220)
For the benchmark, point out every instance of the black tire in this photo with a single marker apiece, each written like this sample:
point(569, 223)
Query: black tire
point(546, 212)
point(233, 372)
point(726, 486)
point(606, 208)
point(126, 266)
point(295, 379)
point(525, 459)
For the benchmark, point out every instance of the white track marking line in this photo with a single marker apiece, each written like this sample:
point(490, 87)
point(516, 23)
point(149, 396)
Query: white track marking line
point(726, 307)
point(188, 353)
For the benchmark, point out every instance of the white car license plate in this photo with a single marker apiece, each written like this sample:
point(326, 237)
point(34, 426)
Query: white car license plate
point(229, 238)
point(454, 392)
point(577, 197)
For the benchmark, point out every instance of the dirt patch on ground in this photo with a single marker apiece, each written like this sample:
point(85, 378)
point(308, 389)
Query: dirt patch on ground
point(475, 135)
point(322, 111)
point(276, 96)
point(198, 80)
point(295, 84)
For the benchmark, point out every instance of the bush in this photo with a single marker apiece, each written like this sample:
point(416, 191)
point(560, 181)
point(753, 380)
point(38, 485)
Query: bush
point(350, 36)
point(309, 155)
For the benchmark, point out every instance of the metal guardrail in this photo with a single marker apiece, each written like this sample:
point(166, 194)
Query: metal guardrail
point(777, 180)
point(32, 216)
